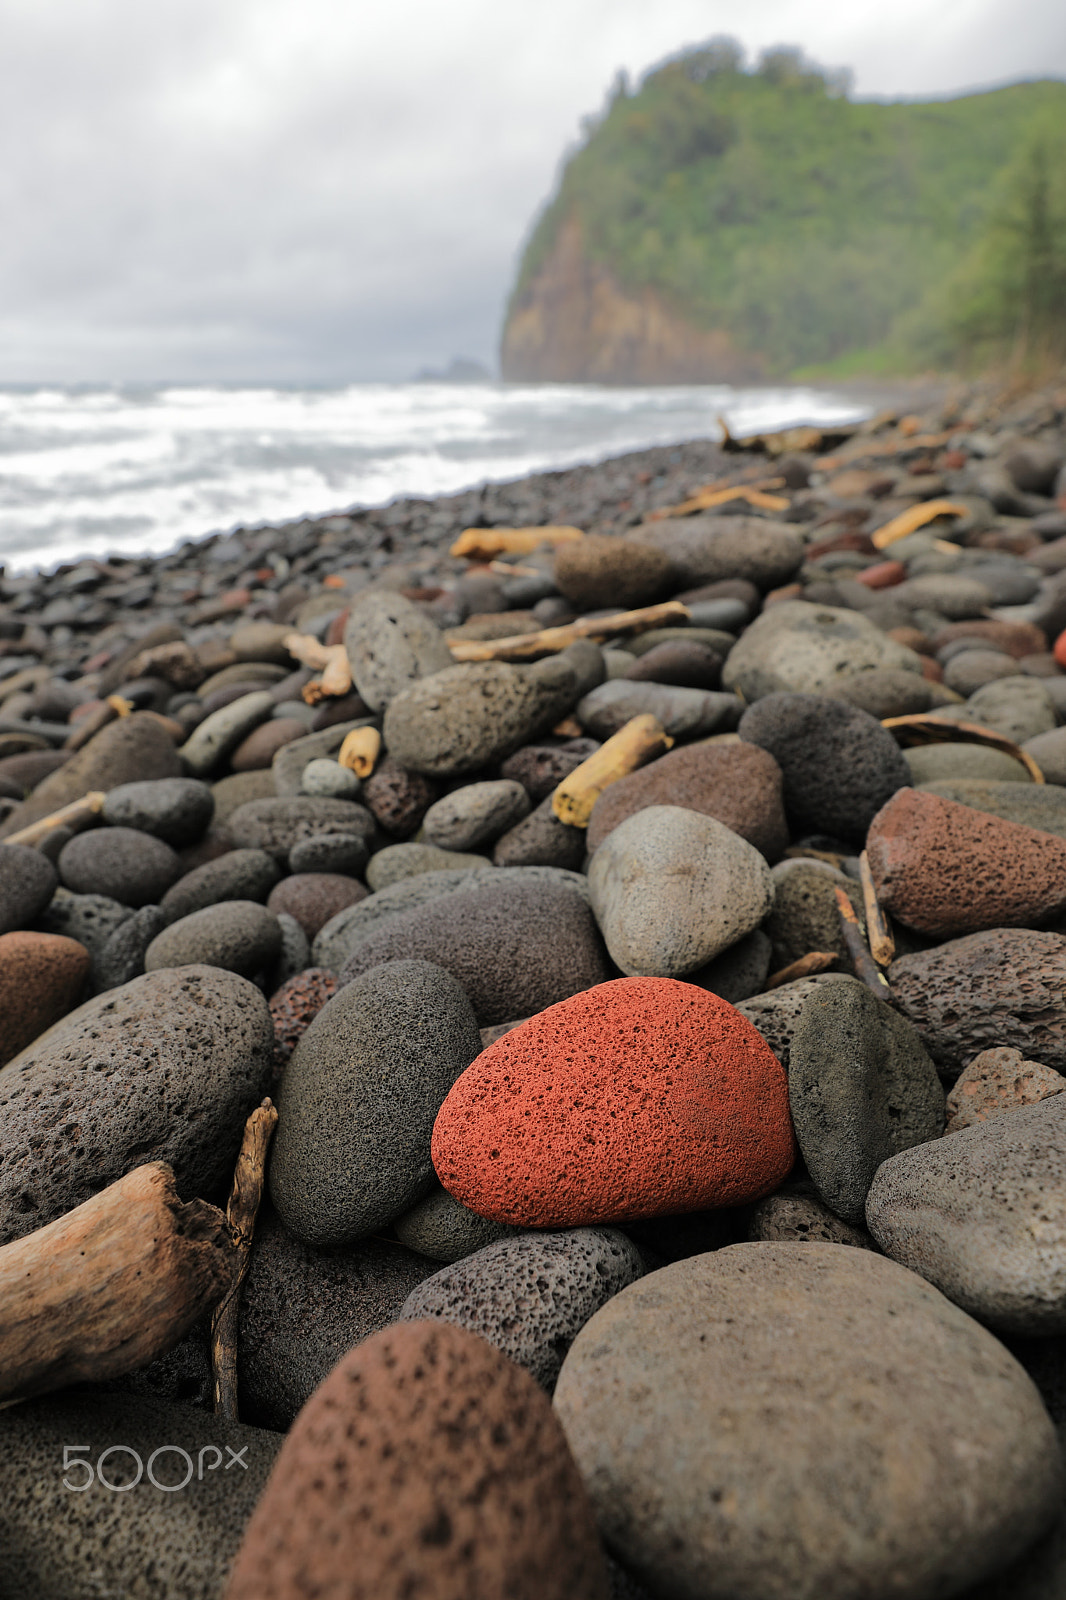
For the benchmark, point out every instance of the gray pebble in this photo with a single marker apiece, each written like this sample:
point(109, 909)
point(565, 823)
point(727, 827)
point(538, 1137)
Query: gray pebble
point(122, 956)
point(475, 815)
point(222, 731)
point(238, 935)
point(277, 825)
point(330, 852)
point(328, 779)
point(238, 875)
point(128, 866)
point(27, 883)
point(176, 810)
point(391, 643)
point(443, 1229)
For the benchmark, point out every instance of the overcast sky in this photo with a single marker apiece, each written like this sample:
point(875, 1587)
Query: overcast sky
point(324, 190)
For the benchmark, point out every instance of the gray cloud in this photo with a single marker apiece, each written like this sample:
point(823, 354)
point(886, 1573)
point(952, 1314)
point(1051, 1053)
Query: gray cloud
point(318, 190)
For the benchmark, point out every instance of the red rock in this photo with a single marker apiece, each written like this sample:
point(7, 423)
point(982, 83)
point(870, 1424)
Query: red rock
point(296, 1005)
point(314, 897)
point(932, 670)
point(1013, 638)
point(885, 575)
point(42, 976)
point(426, 1467)
point(641, 1097)
point(256, 752)
point(945, 869)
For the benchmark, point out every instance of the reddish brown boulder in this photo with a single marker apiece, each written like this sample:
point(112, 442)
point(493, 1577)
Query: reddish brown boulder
point(738, 784)
point(296, 1005)
point(997, 1081)
point(42, 976)
point(399, 799)
point(944, 869)
point(314, 897)
point(426, 1467)
point(258, 750)
point(1013, 638)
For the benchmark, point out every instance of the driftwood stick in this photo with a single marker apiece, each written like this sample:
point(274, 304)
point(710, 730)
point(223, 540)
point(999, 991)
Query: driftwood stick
point(878, 927)
point(640, 741)
point(108, 711)
point(550, 640)
point(483, 544)
point(244, 1201)
point(360, 751)
point(805, 967)
point(863, 963)
point(109, 1286)
point(330, 659)
point(923, 729)
point(72, 816)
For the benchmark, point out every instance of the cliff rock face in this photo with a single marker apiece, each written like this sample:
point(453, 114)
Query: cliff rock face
point(574, 323)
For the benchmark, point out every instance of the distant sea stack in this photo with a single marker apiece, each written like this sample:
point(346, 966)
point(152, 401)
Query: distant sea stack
point(725, 225)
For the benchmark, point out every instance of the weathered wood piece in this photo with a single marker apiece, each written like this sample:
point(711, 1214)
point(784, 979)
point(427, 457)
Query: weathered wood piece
point(640, 741)
point(360, 751)
point(243, 1208)
point(70, 816)
point(329, 659)
point(548, 641)
point(916, 517)
point(111, 1285)
point(923, 729)
point(805, 967)
point(863, 964)
point(878, 927)
point(483, 544)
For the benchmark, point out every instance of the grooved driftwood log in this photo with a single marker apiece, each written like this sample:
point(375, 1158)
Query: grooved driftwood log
point(243, 1208)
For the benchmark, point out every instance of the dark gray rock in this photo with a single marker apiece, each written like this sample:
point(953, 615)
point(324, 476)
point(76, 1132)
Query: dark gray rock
point(238, 935)
point(359, 1098)
point(27, 883)
point(861, 1088)
point(332, 947)
point(515, 947)
point(738, 972)
point(238, 875)
point(277, 825)
point(443, 1229)
point(531, 1295)
point(125, 865)
point(804, 915)
point(122, 956)
point(794, 1214)
point(705, 548)
point(134, 747)
point(391, 643)
point(330, 852)
point(683, 713)
point(776, 1013)
point(540, 769)
point(176, 810)
point(468, 717)
point(541, 840)
point(91, 919)
point(60, 1544)
point(475, 815)
point(303, 1308)
point(839, 765)
point(223, 730)
point(166, 1068)
point(295, 953)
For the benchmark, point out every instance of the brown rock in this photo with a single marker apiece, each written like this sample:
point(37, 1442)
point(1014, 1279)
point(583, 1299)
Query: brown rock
point(42, 976)
point(796, 1215)
point(738, 784)
point(31, 767)
point(426, 1467)
point(997, 1081)
point(599, 571)
point(258, 750)
point(296, 1005)
point(946, 869)
point(126, 751)
point(314, 897)
point(692, 666)
point(399, 798)
point(1016, 639)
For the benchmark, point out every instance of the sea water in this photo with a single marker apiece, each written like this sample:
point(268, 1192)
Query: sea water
point(134, 471)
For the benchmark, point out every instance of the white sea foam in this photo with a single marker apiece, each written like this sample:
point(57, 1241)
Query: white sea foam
point(134, 471)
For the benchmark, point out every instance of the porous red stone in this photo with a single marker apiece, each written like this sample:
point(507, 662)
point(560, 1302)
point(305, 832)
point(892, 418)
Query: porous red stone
point(641, 1097)
point(1013, 638)
point(296, 1005)
point(42, 976)
point(426, 1467)
point(944, 868)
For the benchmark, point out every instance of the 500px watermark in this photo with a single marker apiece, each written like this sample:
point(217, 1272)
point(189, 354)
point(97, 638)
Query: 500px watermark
point(114, 1471)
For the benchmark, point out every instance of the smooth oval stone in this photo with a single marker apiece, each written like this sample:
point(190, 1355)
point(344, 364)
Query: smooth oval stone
point(919, 1486)
point(644, 1097)
point(943, 868)
point(885, 692)
point(982, 1215)
point(237, 789)
point(294, 955)
point(330, 852)
point(475, 815)
point(238, 875)
point(1003, 987)
point(176, 810)
point(303, 1308)
point(995, 1082)
point(951, 594)
point(514, 946)
point(412, 859)
point(795, 1215)
point(468, 717)
point(390, 643)
point(122, 956)
point(277, 825)
point(28, 881)
point(223, 730)
point(683, 713)
point(429, 1465)
point(541, 840)
point(798, 647)
point(705, 549)
point(1034, 805)
point(442, 1229)
point(739, 784)
point(346, 930)
point(689, 666)
point(239, 935)
point(861, 1087)
point(672, 889)
point(359, 1097)
point(128, 866)
point(805, 915)
point(930, 763)
point(292, 760)
point(257, 749)
point(600, 572)
point(328, 779)
point(166, 1068)
point(133, 747)
point(970, 669)
point(314, 898)
point(42, 977)
point(58, 1543)
point(530, 1296)
point(839, 765)
point(775, 1014)
point(1048, 750)
point(1019, 707)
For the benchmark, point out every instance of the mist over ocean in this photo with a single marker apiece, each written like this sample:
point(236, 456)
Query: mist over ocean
point(134, 471)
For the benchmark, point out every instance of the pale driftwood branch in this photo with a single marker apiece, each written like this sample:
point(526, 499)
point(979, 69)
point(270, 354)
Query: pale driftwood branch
point(482, 544)
point(521, 646)
point(916, 517)
point(329, 659)
point(863, 964)
point(360, 751)
point(71, 816)
point(923, 729)
point(243, 1208)
point(805, 967)
point(111, 1285)
point(720, 495)
point(640, 741)
point(878, 927)
point(89, 726)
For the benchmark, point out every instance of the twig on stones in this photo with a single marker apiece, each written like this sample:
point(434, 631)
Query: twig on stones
point(863, 964)
point(548, 641)
point(241, 1212)
point(640, 741)
point(483, 544)
point(713, 495)
point(70, 816)
point(805, 967)
point(89, 726)
point(916, 517)
point(923, 729)
point(330, 659)
point(360, 751)
point(878, 927)
point(110, 1286)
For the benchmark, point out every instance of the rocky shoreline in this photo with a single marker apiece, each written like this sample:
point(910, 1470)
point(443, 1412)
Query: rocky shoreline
point(639, 892)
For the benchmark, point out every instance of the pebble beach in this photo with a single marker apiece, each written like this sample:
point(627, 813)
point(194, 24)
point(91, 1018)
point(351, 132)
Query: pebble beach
point(533, 1036)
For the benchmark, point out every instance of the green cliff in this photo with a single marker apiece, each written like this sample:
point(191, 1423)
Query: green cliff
point(719, 224)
